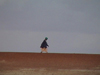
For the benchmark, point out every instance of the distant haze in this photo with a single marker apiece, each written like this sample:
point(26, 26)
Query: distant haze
point(72, 26)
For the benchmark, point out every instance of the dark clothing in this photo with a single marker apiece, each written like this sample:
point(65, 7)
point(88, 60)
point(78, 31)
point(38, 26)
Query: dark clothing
point(44, 44)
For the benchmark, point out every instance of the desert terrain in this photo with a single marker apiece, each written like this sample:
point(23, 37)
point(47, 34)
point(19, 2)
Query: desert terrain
point(21, 63)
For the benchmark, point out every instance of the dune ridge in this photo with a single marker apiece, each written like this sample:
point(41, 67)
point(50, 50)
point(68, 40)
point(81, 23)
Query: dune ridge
point(18, 60)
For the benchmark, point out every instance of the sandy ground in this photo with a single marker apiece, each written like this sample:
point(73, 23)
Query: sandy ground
point(50, 72)
point(49, 64)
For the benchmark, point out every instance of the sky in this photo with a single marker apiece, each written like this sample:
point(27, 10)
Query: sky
point(72, 26)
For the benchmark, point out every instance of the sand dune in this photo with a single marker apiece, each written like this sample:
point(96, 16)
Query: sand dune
point(49, 62)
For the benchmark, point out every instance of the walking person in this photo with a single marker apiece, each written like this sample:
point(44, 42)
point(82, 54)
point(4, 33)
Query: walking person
point(44, 45)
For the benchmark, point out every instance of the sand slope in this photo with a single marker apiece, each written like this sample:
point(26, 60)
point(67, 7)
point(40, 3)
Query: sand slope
point(48, 62)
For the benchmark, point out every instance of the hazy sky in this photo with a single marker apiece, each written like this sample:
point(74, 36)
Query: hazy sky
point(72, 26)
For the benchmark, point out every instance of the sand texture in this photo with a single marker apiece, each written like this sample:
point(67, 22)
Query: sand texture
point(15, 63)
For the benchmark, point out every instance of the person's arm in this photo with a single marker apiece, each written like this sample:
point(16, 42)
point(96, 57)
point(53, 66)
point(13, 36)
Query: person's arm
point(47, 44)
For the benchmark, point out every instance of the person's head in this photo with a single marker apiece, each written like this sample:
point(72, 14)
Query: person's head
point(46, 38)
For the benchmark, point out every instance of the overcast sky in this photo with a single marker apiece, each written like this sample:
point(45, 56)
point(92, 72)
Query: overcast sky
point(72, 26)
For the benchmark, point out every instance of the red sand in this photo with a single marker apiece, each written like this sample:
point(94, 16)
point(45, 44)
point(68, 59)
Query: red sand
point(11, 60)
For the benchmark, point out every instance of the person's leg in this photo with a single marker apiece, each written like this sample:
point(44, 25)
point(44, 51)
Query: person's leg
point(42, 49)
point(46, 50)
